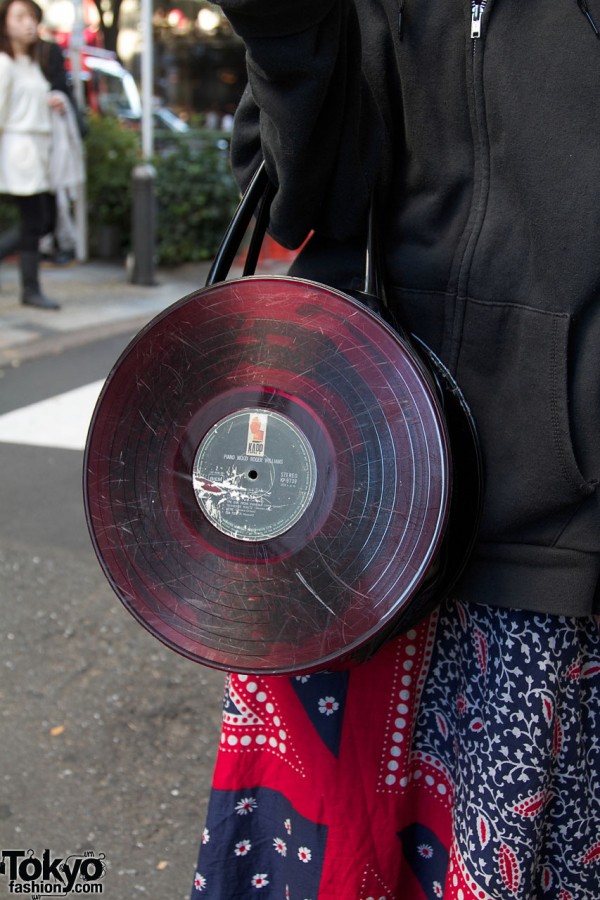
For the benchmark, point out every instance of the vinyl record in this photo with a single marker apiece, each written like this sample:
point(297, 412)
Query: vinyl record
point(267, 476)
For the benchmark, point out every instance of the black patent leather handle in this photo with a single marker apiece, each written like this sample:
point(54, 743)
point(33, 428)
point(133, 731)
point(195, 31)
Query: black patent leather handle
point(257, 199)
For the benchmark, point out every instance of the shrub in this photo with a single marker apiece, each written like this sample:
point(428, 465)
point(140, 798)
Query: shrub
point(195, 198)
point(111, 153)
point(194, 189)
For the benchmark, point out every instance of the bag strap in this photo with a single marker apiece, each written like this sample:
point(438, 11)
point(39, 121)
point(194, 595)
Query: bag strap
point(257, 200)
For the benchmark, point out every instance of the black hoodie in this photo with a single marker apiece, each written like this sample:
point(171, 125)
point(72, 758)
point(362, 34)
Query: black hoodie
point(478, 127)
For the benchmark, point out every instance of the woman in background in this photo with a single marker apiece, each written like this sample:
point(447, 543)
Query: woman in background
point(26, 100)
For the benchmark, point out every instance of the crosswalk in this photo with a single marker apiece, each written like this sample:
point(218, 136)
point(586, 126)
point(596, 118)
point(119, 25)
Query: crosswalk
point(61, 421)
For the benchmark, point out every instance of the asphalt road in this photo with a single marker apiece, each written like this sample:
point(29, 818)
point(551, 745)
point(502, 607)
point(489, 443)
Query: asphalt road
point(107, 739)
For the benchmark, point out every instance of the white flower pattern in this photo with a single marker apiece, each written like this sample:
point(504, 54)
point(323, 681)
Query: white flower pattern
point(304, 854)
point(245, 805)
point(242, 848)
point(280, 846)
point(328, 705)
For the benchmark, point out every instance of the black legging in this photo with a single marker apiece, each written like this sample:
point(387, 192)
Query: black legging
point(37, 213)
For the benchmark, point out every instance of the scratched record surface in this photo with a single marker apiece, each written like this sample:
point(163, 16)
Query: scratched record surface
point(266, 476)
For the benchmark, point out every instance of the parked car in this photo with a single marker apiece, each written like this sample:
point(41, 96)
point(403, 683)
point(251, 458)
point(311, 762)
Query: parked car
point(110, 90)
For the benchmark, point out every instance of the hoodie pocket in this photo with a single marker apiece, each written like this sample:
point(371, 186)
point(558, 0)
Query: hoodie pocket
point(513, 370)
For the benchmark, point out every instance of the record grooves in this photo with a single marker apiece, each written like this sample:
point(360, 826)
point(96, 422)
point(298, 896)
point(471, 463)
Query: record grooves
point(267, 476)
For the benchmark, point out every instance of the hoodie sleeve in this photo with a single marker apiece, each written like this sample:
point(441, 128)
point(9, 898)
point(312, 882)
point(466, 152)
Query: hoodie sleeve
point(309, 112)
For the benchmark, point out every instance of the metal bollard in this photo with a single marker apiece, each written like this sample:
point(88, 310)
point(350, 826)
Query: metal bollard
point(143, 224)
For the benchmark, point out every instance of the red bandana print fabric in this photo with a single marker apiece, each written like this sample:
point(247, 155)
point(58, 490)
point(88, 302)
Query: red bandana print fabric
point(462, 762)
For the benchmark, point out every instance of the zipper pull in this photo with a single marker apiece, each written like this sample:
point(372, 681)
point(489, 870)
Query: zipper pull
point(476, 13)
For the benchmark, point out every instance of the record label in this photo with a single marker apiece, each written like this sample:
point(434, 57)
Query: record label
point(254, 475)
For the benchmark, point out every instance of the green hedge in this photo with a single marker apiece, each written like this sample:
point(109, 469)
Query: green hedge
point(195, 197)
point(111, 153)
point(194, 189)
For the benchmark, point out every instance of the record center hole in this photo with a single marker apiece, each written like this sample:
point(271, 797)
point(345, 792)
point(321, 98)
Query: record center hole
point(253, 474)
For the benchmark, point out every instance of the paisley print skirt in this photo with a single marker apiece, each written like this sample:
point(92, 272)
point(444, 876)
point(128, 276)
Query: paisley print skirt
point(462, 762)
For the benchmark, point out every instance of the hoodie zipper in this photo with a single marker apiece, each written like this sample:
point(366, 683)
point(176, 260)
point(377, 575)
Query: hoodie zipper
point(476, 16)
point(479, 17)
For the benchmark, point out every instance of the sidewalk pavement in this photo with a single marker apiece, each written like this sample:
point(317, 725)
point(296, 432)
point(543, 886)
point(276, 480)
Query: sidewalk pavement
point(97, 300)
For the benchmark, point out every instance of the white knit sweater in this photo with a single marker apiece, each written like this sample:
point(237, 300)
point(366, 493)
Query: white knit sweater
point(25, 130)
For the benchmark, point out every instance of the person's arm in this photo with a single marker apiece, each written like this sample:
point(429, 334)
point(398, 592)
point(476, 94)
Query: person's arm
point(55, 69)
point(60, 85)
point(309, 111)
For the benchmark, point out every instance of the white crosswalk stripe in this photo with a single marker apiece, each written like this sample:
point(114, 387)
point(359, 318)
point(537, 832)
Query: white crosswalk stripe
point(60, 421)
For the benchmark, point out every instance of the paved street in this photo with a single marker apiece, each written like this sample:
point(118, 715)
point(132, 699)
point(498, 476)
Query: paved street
point(107, 738)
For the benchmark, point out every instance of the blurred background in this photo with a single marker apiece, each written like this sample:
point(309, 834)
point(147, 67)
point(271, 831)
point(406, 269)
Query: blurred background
point(193, 79)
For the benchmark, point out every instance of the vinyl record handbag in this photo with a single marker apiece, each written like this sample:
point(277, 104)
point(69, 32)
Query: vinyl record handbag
point(276, 479)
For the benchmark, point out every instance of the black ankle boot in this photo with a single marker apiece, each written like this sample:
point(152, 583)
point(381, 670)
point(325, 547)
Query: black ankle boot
point(32, 294)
